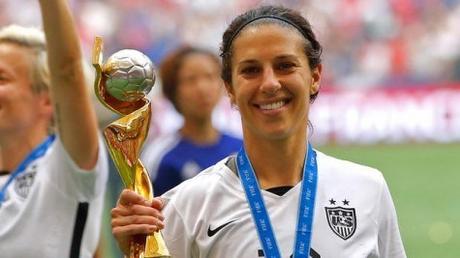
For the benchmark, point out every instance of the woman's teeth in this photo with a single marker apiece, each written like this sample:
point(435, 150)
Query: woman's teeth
point(274, 105)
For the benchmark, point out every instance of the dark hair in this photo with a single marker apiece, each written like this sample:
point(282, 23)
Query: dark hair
point(266, 15)
point(170, 67)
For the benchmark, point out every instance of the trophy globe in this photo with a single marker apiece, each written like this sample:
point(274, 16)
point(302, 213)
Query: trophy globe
point(129, 75)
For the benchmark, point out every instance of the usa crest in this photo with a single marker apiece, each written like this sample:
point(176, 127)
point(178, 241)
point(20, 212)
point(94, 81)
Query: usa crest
point(342, 221)
point(23, 183)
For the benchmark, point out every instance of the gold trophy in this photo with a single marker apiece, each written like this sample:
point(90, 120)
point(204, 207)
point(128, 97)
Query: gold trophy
point(121, 85)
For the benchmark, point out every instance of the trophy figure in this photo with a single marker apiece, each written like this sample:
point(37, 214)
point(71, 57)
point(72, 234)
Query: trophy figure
point(121, 85)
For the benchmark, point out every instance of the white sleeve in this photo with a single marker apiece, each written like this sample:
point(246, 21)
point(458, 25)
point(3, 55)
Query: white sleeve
point(389, 239)
point(76, 183)
point(175, 233)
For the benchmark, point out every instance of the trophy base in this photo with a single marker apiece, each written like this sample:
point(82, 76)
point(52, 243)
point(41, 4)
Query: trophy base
point(151, 246)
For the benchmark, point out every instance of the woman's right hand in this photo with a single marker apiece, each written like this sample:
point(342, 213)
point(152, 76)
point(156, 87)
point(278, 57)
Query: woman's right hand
point(135, 215)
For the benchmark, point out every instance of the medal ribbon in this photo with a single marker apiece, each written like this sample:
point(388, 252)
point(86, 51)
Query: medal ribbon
point(36, 153)
point(259, 212)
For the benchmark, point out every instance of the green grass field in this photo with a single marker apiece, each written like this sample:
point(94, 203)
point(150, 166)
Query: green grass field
point(424, 180)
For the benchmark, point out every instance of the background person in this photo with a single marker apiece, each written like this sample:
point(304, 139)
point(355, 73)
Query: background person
point(52, 183)
point(191, 82)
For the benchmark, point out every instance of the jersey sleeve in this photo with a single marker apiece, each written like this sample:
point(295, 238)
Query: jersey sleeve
point(389, 238)
point(175, 233)
point(64, 174)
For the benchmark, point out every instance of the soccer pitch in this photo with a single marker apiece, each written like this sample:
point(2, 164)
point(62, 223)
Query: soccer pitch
point(424, 180)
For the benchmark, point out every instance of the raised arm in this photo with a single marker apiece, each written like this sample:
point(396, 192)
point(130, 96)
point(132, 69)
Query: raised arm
point(74, 115)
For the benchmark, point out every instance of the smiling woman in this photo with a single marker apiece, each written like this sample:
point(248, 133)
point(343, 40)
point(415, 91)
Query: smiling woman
point(272, 85)
point(52, 184)
point(294, 200)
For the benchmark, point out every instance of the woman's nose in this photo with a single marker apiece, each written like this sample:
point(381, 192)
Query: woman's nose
point(270, 83)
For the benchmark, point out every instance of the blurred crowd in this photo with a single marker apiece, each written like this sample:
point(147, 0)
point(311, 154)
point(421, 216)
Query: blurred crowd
point(367, 43)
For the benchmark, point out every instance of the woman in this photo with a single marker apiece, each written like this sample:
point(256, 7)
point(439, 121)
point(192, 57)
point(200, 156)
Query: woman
point(257, 205)
point(52, 182)
point(190, 80)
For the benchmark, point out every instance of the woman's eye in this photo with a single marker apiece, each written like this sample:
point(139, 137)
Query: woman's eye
point(250, 70)
point(286, 66)
point(3, 78)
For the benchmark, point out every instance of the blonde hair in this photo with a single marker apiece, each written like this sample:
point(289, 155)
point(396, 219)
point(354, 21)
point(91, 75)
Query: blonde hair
point(32, 39)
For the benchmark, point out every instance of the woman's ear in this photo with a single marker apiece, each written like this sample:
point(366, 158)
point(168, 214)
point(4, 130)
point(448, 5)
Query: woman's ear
point(45, 104)
point(316, 79)
point(230, 93)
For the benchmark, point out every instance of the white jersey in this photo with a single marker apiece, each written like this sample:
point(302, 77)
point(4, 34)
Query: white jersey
point(208, 215)
point(53, 209)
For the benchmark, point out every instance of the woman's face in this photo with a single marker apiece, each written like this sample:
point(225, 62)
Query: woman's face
point(200, 86)
point(20, 107)
point(272, 81)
